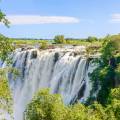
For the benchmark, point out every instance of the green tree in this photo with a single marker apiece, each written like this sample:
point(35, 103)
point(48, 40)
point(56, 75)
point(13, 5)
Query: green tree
point(115, 102)
point(45, 106)
point(59, 39)
point(5, 49)
point(91, 39)
point(44, 45)
point(3, 19)
point(104, 75)
point(5, 93)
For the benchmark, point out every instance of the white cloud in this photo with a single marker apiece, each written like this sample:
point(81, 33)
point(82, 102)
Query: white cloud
point(36, 19)
point(115, 18)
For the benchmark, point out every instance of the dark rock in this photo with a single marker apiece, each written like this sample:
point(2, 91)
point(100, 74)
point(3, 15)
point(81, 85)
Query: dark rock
point(76, 53)
point(81, 92)
point(79, 95)
point(56, 57)
point(33, 55)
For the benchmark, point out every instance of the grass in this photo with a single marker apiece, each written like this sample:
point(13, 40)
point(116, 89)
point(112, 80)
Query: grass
point(33, 42)
point(27, 41)
point(85, 43)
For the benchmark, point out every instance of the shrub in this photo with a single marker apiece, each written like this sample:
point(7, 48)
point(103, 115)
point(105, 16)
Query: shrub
point(91, 39)
point(44, 45)
point(45, 106)
point(59, 39)
point(104, 75)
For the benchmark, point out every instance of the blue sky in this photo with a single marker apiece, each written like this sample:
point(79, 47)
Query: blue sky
point(73, 18)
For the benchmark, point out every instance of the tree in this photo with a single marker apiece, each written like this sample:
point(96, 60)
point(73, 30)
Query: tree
point(3, 19)
point(44, 45)
point(59, 39)
point(5, 49)
point(104, 76)
point(5, 93)
point(91, 39)
point(115, 102)
point(45, 106)
point(5, 45)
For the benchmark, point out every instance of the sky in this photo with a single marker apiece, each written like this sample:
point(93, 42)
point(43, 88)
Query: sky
point(72, 18)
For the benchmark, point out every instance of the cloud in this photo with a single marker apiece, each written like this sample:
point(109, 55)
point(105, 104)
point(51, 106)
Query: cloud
point(115, 18)
point(36, 19)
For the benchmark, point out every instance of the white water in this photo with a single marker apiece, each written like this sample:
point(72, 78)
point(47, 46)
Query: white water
point(64, 71)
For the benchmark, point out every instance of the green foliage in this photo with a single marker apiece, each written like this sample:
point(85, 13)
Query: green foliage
point(5, 48)
point(91, 39)
point(115, 94)
point(6, 101)
point(76, 112)
point(3, 19)
point(45, 106)
point(5, 93)
point(110, 48)
point(104, 76)
point(31, 42)
point(44, 45)
point(115, 102)
point(59, 39)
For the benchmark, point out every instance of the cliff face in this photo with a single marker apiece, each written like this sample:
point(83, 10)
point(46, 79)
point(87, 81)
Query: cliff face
point(62, 70)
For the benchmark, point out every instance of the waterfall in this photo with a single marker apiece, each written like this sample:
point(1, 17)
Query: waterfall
point(62, 70)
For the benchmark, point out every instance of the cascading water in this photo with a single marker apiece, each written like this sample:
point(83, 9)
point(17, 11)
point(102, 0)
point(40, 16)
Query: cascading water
point(64, 71)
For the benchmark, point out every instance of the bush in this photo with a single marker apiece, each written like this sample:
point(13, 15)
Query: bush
point(59, 39)
point(44, 45)
point(91, 39)
point(104, 76)
point(5, 48)
point(45, 106)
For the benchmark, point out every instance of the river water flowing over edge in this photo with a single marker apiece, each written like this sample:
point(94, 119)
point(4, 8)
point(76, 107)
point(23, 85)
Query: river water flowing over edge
point(63, 70)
